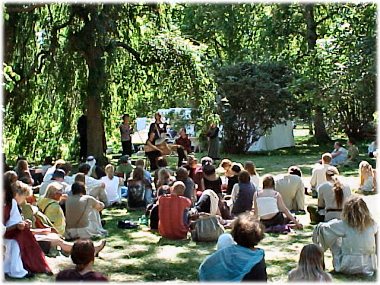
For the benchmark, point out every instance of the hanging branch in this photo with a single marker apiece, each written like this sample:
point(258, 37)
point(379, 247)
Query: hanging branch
point(132, 51)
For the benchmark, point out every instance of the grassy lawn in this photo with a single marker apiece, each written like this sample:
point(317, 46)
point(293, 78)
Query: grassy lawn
point(140, 255)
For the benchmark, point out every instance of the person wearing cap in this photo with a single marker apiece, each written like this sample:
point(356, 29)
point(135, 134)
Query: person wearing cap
point(125, 167)
point(49, 205)
point(172, 209)
point(57, 176)
point(83, 256)
point(331, 198)
point(125, 135)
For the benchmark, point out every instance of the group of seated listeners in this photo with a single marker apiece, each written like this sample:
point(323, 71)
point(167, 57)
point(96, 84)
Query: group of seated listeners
point(202, 199)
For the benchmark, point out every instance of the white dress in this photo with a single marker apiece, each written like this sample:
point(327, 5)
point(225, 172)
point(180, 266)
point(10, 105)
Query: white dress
point(12, 264)
point(353, 252)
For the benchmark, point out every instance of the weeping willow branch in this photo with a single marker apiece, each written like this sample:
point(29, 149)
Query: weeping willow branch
point(132, 51)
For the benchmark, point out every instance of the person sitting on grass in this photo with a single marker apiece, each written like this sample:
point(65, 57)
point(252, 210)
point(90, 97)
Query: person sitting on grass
point(251, 168)
point(208, 203)
point(238, 262)
point(318, 175)
point(141, 163)
point(139, 189)
point(172, 209)
point(351, 240)
point(83, 256)
point(183, 175)
point(339, 154)
point(112, 185)
point(331, 197)
point(210, 180)
point(353, 151)
point(233, 177)
point(124, 168)
point(367, 178)
point(82, 214)
point(311, 266)
point(94, 187)
point(49, 206)
point(270, 207)
point(292, 189)
point(242, 194)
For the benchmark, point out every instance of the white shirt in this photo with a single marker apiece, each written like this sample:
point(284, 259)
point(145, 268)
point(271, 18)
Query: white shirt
point(49, 173)
point(112, 186)
point(266, 204)
point(318, 175)
point(14, 216)
point(255, 180)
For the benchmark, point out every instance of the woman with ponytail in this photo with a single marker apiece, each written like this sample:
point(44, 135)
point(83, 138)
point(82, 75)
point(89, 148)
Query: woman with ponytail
point(332, 195)
point(83, 256)
point(331, 198)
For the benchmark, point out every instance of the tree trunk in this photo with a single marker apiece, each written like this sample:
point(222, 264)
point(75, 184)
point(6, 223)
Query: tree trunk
point(320, 133)
point(96, 83)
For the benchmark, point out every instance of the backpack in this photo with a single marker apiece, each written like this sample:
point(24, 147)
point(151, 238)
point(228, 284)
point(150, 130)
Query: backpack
point(136, 196)
point(206, 228)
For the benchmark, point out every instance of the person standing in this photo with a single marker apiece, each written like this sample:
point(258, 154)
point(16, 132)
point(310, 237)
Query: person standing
point(82, 130)
point(125, 133)
point(213, 141)
point(157, 127)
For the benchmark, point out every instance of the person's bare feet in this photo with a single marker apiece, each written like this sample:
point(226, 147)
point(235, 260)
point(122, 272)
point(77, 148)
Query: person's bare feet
point(99, 246)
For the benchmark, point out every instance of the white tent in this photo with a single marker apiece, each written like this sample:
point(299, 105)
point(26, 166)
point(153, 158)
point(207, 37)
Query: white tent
point(278, 137)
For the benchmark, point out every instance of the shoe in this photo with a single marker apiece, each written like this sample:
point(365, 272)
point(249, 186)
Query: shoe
point(100, 247)
point(126, 225)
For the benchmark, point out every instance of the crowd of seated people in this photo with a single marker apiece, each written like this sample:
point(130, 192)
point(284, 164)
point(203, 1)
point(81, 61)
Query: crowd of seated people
point(69, 207)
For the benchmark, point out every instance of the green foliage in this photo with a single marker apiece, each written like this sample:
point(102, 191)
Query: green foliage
point(254, 100)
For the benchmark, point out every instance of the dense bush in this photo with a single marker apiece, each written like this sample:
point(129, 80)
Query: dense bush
point(255, 98)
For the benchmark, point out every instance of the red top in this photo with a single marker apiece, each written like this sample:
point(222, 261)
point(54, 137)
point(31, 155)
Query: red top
point(185, 142)
point(172, 223)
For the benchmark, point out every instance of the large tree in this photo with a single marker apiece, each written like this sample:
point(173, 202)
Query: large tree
point(84, 57)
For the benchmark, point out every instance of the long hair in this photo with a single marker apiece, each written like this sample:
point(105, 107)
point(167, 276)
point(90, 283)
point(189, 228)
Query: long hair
point(356, 214)
point(250, 167)
point(9, 178)
point(365, 170)
point(331, 174)
point(311, 264)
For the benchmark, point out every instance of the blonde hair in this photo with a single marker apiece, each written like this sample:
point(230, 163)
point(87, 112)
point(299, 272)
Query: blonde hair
point(365, 171)
point(52, 189)
point(109, 169)
point(356, 214)
point(178, 188)
point(311, 265)
point(326, 158)
point(163, 176)
point(21, 189)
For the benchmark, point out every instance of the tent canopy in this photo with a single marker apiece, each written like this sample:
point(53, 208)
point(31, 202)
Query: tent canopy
point(279, 136)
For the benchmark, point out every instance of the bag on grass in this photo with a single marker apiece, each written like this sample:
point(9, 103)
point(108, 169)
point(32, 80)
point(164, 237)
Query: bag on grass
point(206, 228)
